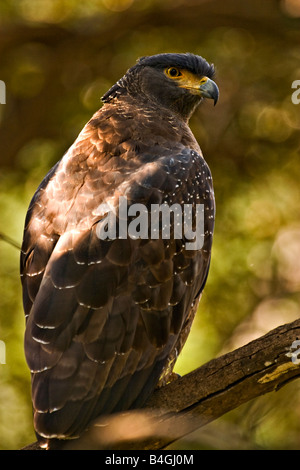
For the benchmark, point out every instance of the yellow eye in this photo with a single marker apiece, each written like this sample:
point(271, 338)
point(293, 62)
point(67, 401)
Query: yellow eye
point(173, 72)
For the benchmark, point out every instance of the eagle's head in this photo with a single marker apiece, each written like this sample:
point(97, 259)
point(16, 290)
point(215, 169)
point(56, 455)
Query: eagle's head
point(177, 82)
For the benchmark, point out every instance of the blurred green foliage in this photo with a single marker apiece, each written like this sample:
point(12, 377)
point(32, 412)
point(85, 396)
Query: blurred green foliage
point(57, 58)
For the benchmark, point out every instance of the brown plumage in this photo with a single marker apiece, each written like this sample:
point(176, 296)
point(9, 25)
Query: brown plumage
point(106, 319)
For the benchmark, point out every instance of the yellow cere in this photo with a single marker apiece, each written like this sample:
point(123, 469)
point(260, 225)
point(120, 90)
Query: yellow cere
point(186, 79)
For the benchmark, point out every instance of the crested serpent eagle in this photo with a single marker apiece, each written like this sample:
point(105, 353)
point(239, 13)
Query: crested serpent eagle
point(106, 317)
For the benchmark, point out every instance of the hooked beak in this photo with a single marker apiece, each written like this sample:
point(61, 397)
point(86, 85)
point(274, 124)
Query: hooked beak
point(208, 89)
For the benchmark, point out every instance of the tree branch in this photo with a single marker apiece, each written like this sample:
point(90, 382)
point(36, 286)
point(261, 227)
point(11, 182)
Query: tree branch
point(10, 241)
point(190, 402)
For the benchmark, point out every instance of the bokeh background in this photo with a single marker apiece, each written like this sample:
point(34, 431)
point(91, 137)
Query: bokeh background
point(57, 58)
